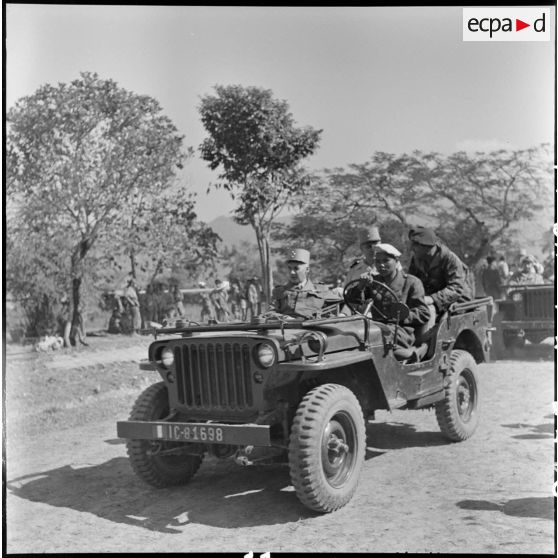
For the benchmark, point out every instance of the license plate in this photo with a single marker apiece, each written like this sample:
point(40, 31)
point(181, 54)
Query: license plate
point(195, 433)
point(199, 432)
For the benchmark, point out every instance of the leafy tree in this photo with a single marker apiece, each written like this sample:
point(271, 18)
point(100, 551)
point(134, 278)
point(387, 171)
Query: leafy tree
point(159, 233)
point(76, 153)
point(480, 199)
point(254, 142)
point(474, 202)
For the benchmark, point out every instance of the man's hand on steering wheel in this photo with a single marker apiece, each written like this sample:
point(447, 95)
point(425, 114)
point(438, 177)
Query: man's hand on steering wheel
point(365, 294)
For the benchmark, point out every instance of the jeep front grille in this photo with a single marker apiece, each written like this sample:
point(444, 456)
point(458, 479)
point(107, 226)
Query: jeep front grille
point(538, 303)
point(214, 375)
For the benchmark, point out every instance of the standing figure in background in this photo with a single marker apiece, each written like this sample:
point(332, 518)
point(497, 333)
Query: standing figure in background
point(503, 269)
point(207, 308)
point(131, 297)
point(149, 307)
point(234, 299)
point(219, 298)
point(243, 303)
point(253, 297)
point(178, 300)
point(491, 281)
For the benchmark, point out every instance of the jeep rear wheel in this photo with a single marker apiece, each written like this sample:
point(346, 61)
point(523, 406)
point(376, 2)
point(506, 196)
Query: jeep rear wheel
point(160, 463)
point(326, 448)
point(458, 412)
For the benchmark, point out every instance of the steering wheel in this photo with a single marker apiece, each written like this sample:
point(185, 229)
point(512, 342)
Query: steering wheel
point(366, 296)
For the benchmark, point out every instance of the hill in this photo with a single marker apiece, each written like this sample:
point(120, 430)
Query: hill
point(232, 233)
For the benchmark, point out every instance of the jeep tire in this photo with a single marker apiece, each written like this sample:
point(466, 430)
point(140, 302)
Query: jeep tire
point(327, 447)
point(147, 457)
point(458, 412)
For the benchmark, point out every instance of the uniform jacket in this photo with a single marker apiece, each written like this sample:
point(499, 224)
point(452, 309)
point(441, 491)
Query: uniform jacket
point(409, 291)
point(299, 301)
point(445, 278)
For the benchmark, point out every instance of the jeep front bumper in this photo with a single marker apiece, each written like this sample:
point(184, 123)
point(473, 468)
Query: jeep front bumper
point(196, 432)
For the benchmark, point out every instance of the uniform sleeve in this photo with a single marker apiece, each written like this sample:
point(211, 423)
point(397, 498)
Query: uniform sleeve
point(419, 312)
point(456, 288)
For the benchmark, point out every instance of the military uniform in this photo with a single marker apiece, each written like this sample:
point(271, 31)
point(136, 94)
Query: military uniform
point(409, 291)
point(298, 301)
point(445, 278)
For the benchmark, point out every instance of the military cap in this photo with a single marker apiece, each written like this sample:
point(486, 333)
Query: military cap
point(529, 259)
point(299, 255)
point(388, 249)
point(370, 234)
point(201, 284)
point(422, 235)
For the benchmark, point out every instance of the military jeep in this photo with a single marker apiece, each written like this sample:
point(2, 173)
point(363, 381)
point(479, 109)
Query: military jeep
point(527, 313)
point(300, 391)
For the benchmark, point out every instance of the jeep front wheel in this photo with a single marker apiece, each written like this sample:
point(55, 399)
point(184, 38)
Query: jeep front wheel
point(326, 447)
point(160, 463)
point(458, 412)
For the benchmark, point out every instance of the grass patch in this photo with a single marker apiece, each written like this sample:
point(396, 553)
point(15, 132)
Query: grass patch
point(41, 397)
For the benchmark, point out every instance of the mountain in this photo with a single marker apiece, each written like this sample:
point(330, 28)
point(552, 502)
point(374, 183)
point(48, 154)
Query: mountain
point(232, 233)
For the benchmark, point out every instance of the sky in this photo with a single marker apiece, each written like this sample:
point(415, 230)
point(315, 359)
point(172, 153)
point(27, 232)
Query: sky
point(392, 79)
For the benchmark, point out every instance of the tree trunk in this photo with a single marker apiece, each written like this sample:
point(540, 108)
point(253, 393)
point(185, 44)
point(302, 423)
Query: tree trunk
point(133, 263)
point(263, 249)
point(77, 329)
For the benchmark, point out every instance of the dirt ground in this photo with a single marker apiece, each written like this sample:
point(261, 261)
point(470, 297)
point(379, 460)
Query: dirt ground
point(70, 488)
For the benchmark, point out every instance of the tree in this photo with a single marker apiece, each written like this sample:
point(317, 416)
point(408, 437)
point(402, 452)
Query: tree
point(254, 142)
point(480, 199)
point(162, 232)
point(76, 153)
point(474, 202)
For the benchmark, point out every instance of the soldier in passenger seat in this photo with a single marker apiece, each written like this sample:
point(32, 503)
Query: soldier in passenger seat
point(299, 298)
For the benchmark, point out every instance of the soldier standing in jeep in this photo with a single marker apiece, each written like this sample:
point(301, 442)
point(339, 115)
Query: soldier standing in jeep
point(368, 240)
point(444, 276)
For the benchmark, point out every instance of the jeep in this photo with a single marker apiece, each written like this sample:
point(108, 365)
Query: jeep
point(299, 391)
point(526, 314)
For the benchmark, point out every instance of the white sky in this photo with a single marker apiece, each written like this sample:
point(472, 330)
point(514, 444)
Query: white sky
point(390, 79)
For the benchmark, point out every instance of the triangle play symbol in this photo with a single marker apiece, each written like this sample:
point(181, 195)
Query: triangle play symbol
point(519, 25)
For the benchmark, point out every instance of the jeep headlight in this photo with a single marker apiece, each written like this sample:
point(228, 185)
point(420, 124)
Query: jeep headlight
point(265, 355)
point(167, 357)
point(517, 297)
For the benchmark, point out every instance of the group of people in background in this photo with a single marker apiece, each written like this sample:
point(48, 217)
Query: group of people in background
point(227, 301)
point(497, 276)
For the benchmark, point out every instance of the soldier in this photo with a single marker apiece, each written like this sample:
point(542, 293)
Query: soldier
point(131, 296)
point(445, 277)
point(527, 274)
point(208, 309)
point(219, 297)
point(299, 298)
point(409, 291)
point(368, 238)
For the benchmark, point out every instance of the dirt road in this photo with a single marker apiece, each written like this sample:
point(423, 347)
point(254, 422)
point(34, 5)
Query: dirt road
point(72, 490)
